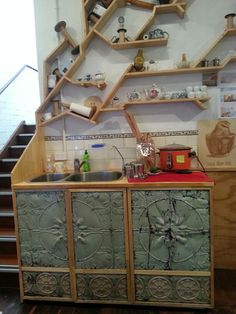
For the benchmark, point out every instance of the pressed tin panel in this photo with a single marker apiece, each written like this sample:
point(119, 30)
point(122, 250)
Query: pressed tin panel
point(171, 229)
point(98, 228)
point(102, 287)
point(173, 289)
point(42, 228)
point(46, 284)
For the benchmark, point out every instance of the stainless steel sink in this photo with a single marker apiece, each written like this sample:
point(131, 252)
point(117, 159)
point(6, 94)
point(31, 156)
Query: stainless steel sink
point(50, 177)
point(94, 176)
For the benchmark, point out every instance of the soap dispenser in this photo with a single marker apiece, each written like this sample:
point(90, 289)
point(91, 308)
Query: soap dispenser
point(86, 164)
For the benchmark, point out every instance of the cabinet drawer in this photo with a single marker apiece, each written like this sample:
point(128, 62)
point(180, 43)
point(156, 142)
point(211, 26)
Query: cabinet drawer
point(111, 287)
point(172, 289)
point(48, 284)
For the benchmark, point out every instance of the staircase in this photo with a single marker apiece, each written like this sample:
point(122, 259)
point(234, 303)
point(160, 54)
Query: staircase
point(8, 158)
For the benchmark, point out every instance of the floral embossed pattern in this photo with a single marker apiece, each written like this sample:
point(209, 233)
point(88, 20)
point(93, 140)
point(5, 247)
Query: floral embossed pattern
point(42, 228)
point(171, 229)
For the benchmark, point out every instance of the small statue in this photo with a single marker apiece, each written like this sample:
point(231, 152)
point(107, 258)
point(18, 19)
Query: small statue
point(121, 31)
point(139, 61)
point(184, 63)
point(134, 95)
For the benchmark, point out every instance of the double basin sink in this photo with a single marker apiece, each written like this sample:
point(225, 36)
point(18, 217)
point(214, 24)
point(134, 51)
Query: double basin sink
point(79, 177)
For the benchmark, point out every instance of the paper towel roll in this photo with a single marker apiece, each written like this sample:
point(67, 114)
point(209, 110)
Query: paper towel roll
point(83, 110)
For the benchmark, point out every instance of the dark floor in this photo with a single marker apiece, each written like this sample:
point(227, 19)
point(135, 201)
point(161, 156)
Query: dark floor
point(225, 299)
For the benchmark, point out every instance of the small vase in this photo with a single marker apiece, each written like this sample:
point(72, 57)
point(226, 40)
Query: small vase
point(139, 60)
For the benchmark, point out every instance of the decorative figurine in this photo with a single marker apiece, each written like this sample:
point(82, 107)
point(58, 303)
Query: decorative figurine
point(121, 31)
point(184, 63)
point(134, 95)
point(151, 65)
point(139, 61)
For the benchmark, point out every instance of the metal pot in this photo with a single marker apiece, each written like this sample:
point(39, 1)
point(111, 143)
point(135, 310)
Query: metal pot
point(175, 157)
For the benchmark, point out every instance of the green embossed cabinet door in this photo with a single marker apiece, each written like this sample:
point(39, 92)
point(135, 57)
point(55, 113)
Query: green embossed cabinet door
point(100, 250)
point(171, 245)
point(42, 242)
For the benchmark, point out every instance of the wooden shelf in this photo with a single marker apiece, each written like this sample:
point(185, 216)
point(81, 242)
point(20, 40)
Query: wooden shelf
point(197, 101)
point(226, 33)
point(176, 6)
point(181, 71)
point(64, 114)
point(134, 43)
point(99, 84)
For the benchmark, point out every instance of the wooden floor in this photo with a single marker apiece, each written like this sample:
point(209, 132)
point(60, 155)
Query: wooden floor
point(225, 299)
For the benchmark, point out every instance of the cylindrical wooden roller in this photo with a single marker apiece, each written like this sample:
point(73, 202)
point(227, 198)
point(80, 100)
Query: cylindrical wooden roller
point(60, 27)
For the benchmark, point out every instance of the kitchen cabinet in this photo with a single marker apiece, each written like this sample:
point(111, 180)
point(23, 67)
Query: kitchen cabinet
point(42, 244)
point(75, 249)
point(171, 246)
point(100, 245)
point(147, 245)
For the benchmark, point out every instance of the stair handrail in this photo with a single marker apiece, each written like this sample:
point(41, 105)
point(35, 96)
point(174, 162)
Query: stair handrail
point(12, 79)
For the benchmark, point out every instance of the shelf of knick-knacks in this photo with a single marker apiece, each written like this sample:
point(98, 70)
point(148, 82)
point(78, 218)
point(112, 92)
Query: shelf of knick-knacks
point(199, 102)
point(124, 42)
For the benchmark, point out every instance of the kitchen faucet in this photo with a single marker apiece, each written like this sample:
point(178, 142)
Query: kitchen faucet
point(77, 165)
point(123, 160)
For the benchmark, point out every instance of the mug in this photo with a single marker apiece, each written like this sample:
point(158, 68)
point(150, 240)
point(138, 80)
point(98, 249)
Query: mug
point(47, 116)
point(191, 95)
point(198, 94)
point(189, 89)
point(203, 88)
point(196, 88)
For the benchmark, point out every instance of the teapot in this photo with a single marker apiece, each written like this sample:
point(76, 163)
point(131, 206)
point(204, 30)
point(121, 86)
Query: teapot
point(134, 95)
point(153, 92)
point(156, 34)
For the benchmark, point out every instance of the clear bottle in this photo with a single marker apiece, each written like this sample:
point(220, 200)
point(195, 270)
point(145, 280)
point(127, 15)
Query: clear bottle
point(86, 163)
point(49, 165)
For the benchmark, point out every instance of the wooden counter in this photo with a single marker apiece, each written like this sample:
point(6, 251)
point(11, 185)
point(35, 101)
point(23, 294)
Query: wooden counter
point(163, 180)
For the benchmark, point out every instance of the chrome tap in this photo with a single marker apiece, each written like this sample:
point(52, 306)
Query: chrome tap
point(123, 160)
point(77, 165)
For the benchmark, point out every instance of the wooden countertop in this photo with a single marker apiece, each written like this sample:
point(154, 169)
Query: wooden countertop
point(171, 181)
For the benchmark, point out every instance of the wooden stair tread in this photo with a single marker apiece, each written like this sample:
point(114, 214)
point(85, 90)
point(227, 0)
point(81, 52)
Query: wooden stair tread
point(5, 191)
point(10, 260)
point(7, 233)
point(9, 268)
point(26, 134)
point(9, 159)
point(5, 175)
point(6, 213)
point(17, 146)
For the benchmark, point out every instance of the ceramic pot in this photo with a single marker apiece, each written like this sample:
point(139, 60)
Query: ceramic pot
point(175, 157)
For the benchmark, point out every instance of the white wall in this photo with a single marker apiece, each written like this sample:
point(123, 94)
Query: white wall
point(203, 22)
point(20, 99)
point(18, 103)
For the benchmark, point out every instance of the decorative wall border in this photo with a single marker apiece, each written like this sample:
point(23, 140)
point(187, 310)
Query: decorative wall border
point(119, 135)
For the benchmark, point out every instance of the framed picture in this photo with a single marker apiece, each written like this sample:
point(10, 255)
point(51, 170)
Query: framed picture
point(217, 144)
point(227, 84)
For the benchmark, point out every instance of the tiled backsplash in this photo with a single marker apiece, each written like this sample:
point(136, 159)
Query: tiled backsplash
point(106, 157)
